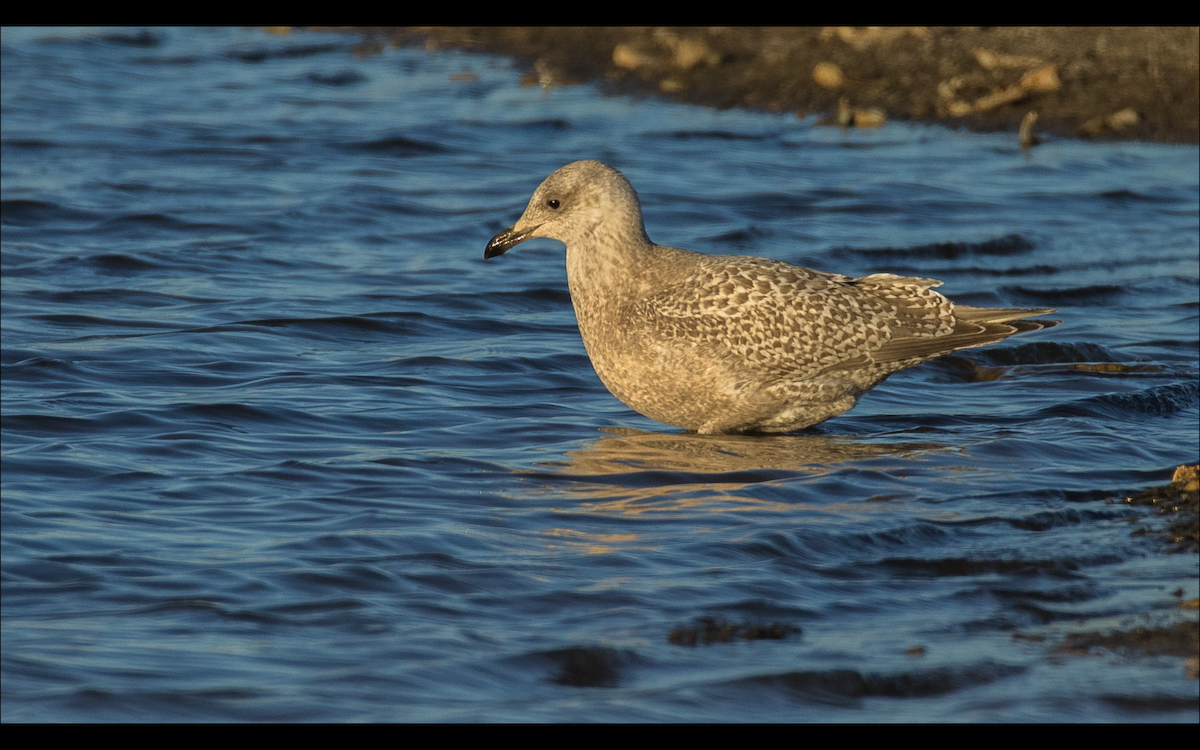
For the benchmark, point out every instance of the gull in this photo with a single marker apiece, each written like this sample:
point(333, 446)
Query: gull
point(726, 344)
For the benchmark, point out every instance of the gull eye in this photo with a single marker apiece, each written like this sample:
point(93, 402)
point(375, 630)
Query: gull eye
point(553, 203)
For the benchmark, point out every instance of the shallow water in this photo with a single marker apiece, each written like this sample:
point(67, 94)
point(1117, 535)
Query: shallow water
point(279, 445)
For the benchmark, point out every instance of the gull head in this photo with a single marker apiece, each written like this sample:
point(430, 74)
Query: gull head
point(575, 204)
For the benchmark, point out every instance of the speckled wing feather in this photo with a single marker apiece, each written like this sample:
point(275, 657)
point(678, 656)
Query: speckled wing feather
point(794, 322)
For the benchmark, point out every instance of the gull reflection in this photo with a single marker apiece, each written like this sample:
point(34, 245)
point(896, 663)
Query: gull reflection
point(624, 451)
point(631, 471)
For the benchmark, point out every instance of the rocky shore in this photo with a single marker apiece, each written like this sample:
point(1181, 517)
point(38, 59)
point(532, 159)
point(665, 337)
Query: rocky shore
point(1090, 82)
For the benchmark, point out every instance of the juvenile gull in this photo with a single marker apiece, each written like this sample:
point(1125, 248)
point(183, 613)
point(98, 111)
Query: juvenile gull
point(730, 343)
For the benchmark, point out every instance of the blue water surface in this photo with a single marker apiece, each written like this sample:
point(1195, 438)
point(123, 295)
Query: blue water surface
point(278, 444)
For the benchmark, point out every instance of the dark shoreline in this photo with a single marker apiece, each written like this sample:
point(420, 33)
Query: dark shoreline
point(1129, 83)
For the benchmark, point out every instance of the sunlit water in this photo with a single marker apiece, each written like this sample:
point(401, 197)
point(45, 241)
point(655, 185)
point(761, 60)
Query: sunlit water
point(278, 444)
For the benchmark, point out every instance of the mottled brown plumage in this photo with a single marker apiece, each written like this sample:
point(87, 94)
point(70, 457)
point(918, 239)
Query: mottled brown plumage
point(727, 343)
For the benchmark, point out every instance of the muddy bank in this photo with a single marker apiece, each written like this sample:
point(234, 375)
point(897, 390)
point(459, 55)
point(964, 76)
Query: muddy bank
point(1127, 83)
